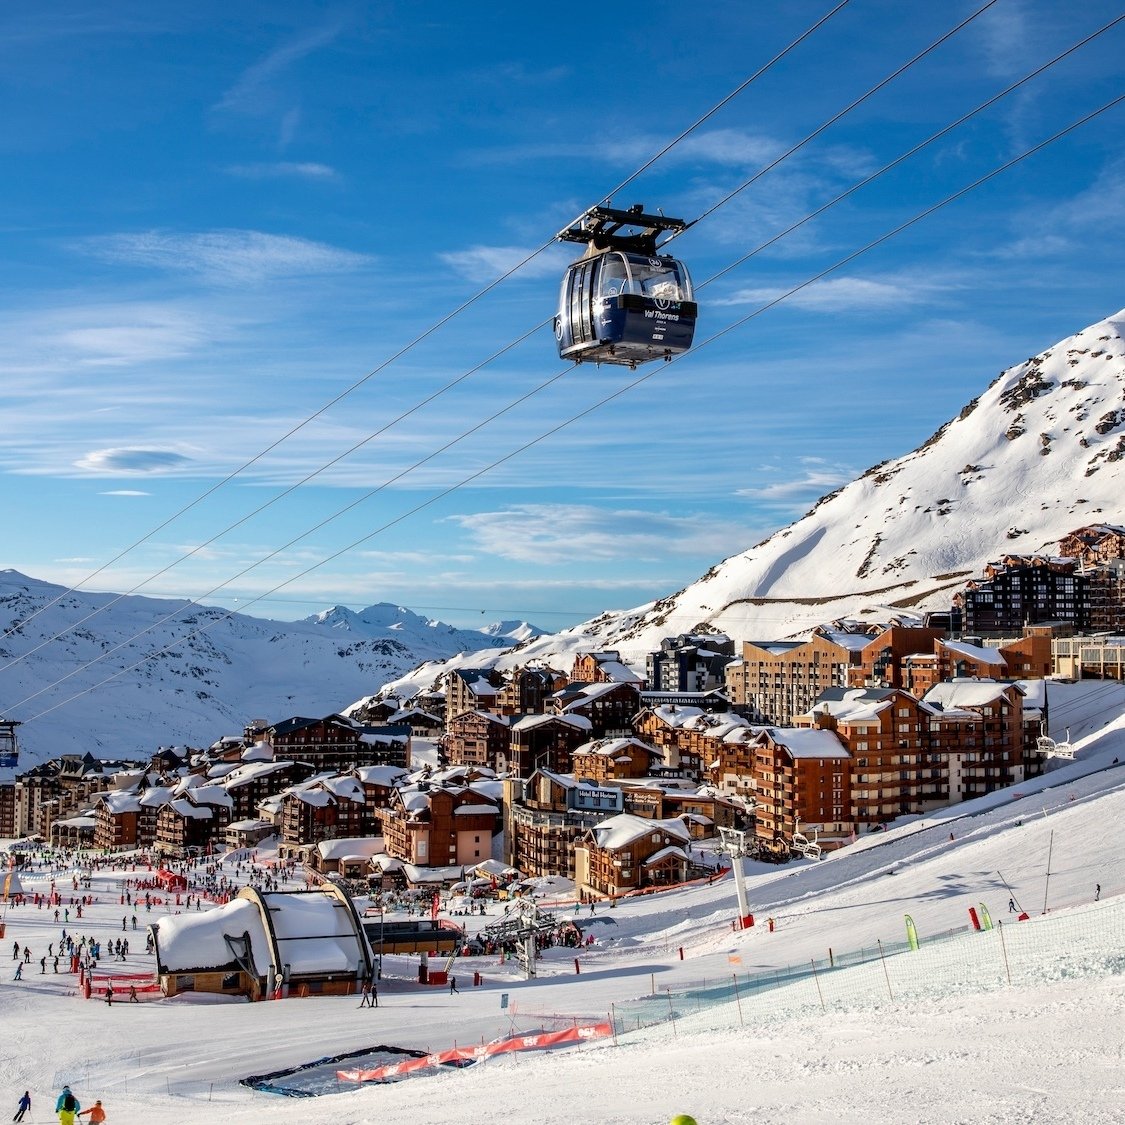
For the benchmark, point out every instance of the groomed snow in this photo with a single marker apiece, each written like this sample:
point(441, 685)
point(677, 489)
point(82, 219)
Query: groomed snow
point(947, 1047)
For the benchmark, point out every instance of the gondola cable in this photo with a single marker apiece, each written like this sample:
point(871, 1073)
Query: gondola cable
point(413, 343)
point(197, 600)
point(664, 225)
point(873, 244)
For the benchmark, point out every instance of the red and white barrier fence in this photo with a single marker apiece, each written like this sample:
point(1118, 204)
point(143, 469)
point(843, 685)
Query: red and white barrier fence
point(534, 1042)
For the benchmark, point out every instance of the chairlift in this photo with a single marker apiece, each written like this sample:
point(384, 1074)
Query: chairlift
point(1052, 749)
point(802, 845)
point(623, 302)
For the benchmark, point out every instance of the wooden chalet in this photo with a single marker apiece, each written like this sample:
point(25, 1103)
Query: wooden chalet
point(628, 853)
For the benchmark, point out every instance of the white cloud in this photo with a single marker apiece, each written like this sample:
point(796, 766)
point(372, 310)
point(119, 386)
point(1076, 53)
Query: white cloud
point(554, 533)
point(126, 461)
point(124, 492)
point(234, 257)
point(1004, 37)
point(37, 342)
point(482, 264)
point(815, 482)
point(253, 91)
point(837, 294)
point(284, 169)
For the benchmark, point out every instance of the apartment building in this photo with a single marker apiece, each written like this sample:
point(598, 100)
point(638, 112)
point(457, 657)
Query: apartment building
point(777, 680)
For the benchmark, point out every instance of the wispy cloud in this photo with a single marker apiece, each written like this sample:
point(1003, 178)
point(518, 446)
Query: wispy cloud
point(113, 334)
point(482, 264)
point(283, 170)
point(124, 492)
point(254, 91)
point(723, 147)
point(565, 532)
point(814, 479)
point(843, 293)
point(126, 461)
point(235, 257)
point(1004, 38)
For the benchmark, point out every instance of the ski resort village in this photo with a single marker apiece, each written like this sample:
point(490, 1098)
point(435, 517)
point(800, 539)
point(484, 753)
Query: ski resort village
point(537, 584)
point(506, 830)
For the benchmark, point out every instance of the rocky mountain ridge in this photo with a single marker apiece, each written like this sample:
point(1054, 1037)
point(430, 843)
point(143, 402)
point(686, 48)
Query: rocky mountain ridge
point(1037, 455)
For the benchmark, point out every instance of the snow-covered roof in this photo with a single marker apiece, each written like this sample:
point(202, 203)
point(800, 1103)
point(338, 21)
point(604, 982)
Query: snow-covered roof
point(530, 722)
point(853, 642)
point(617, 832)
point(187, 942)
point(617, 748)
point(803, 742)
point(584, 695)
point(258, 752)
point(250, 771)
point(663, 854)
point(387, 776)
point(315, 932)
point(673, 715)
point(357, 847)
point(120, 801)
point(962, 693)
point(183, 807)
point(619, 673)
point(976, 652)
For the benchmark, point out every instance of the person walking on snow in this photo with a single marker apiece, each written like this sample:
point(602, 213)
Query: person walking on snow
point(1097, 891)
point(66, 1107)
point(95, 1113)
point(24, 1106)
point(1011, 906)
point(452, 985)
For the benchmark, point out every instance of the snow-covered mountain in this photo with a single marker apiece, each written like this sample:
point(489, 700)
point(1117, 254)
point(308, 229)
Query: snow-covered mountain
point(1036, 456)
point(120, 676)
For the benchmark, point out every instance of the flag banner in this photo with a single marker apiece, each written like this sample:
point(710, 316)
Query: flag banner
point(911, 932)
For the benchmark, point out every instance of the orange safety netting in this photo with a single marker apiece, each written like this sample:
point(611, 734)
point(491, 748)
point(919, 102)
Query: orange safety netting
point(486, 1050)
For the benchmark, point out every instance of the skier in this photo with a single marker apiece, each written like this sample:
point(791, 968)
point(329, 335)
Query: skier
point(133, 997)
point(365, 1000)
point(1011, 906)
point(19, 972)
point(66, 1107)
point(24, 1106)
point(1097, 891)
point(109, 994)
point(95, 1113)
point(452, 985)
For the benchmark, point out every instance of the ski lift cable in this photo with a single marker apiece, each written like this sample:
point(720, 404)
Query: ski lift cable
point(633, 384)
point(900, 70)
point(413, 343)
point(198, 598)
point(836, 117)
point(916, 149)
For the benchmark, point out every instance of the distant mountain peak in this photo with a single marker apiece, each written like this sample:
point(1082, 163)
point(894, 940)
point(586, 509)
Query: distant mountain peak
point(1039, 453)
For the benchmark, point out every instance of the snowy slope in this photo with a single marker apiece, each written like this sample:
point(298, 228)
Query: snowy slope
point(914, 1038)
point(1036, 456)
point(171, 672)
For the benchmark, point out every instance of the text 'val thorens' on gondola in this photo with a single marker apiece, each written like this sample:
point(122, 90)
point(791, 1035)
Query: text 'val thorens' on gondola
point(623, 301)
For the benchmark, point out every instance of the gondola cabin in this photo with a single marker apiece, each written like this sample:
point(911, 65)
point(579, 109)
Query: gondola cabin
point(624, 302)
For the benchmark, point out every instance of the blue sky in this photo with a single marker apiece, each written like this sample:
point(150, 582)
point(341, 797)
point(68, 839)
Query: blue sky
point(217, 219)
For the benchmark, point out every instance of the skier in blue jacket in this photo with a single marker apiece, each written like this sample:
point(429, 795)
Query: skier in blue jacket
point(66, 1107)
